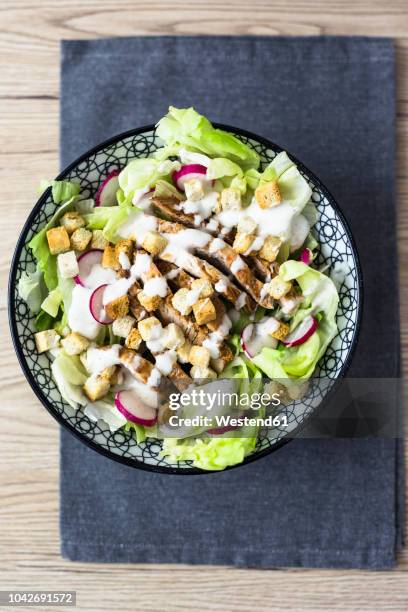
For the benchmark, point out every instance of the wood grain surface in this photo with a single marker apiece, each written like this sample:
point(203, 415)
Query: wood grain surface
point(30, 32)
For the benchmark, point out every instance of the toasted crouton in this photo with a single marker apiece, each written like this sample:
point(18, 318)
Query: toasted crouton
point(149, 328)
point(98, 240)
point(117, 308)
point(126, 247)
point(58, 240)
point(174, 337)
point(180, 301)
point(134, 339)
point(80, 239)
point(246, 225)
point(121, 327)
point(268, 195)
point(46, 340)
point(203, 287)
point(204, 311)
point(67, 264)
point(194, 189)
point(270, 248)
point(110, 258)
point(183, 353)
point(242, 242)
point(202, 373)
point(277, 287)
point(149, 302)
point(200, 356)
point(72, 221)
point(154, 243)
point(281, 332)
point(96, 387)
point(74, 343)
point(230, 199)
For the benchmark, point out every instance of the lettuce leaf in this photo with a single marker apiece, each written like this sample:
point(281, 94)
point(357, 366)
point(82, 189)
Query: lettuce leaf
point(209, 453)
point(70, 375)
point(143, 173)
point(108, 219)
point(52, 302)
point(61, 190)
point(185, 128)
point(43, 321)
point(32, 290)
point(321, 299)
point(105, 411)
point(138, 430)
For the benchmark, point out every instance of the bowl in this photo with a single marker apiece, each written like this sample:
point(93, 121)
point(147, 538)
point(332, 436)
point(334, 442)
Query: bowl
point(336, 244)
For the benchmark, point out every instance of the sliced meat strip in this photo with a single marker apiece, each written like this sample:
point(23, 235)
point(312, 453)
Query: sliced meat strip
point(135, 306)
point(168, 314)
point(170, 209)
point(138, 366)
point(179, 378)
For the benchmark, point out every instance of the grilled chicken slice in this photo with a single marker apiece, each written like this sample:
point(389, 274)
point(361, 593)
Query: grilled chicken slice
point(138, 366)
point(135, 306)
point(170, 209)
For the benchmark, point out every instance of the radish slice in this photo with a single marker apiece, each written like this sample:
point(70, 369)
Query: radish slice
point(86, 261)
point(187, 173)
point(96, 306)
point(132, 407)
point(302, 332)
point(106, 194)
point(306, 256)
point(218, 431)
point(253, 342)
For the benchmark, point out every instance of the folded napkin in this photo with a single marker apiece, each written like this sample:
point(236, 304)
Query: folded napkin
point(315, 502)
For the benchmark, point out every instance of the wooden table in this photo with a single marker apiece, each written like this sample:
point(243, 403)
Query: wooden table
point(29, 99)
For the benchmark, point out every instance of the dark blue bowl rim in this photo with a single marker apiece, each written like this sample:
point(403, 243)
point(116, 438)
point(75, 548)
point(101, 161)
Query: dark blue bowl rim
point(134, 462)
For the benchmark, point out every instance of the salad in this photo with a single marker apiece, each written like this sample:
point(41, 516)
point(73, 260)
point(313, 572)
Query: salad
point(193, 267)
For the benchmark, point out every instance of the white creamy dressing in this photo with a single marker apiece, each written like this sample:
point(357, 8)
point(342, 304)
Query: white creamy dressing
point(124, 260)
point(156, 286)
point(117, 289)
point(137, 225)
point(100, 276)
point(180, 245)
point(237, 265)
point(97, 359)
point(154, 378)
point(299, 230)
point(165, 362)
point(80, 318)
point(241, 301)
point(267, 325)
point(215, 339)
point(147, 393)
point(203, 208)
point(221, 286)
point(157, 338)
point(216, 245)
point(212, 225)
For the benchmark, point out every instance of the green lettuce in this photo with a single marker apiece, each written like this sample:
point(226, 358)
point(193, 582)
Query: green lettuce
point(32, 289)
point(320, 299)
point(209, 453)
point(143, 173)
point(108, 219)
point(61, 190)
point(184, 127)
point(52, 302)
point(70, 376)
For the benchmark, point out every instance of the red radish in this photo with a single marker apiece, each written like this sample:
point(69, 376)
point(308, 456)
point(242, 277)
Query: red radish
point(306, 256)
point(106, 194)
point(86, 261)
point(218, 431)
point(132, 407)
point(96, 306)
point(253, 342)
point(188, 172)
point(302, 332)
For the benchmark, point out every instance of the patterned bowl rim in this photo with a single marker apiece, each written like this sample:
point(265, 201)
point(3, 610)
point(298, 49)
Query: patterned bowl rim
point(134, 462)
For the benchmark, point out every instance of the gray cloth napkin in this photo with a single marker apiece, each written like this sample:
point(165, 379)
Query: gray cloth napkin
point(316, 503)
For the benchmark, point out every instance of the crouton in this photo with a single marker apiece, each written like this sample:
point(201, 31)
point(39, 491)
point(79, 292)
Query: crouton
point(202, 373)
point(133, 339)
point(126, 247)
point(58, 240)
point(80, 239)
point(242, 242)
point(121, 327)
point(96, 387)
point(204, 311)
point(203, 287)
point(154, 243)
point(74, 343)
point(270, 248)
point(46, 340)
point(230, 199)
point(268, 194)
point(67, 264)
point(277, 287)
point(200, 356)
point(183, 353)
point(149, 328)
point(181, 302)
point(281, 332)
point(174, 336)
point(117, 308)
point(246, 225)
point(289, 303)
point(72, 221)
point(149, 302)
point(194, 189)
point(98, 240)
point(110, 258)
